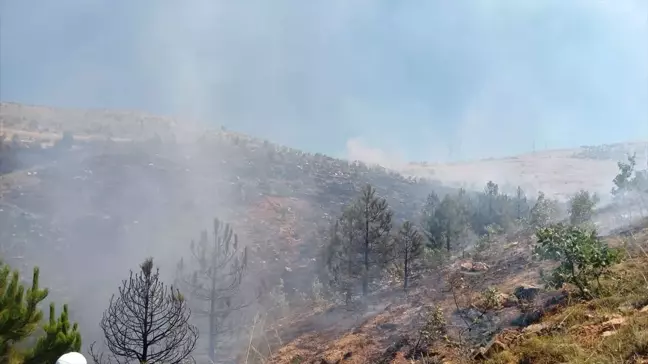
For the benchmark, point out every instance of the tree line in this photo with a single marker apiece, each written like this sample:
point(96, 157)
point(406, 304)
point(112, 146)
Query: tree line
point(365, 244)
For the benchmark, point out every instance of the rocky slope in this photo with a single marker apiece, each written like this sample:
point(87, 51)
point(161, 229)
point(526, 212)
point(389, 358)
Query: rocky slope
point(131, 185)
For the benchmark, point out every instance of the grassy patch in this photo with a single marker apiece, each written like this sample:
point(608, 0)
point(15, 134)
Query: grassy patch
point(610, 329)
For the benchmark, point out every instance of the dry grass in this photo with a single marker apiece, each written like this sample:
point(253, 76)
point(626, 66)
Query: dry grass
point(610, 329)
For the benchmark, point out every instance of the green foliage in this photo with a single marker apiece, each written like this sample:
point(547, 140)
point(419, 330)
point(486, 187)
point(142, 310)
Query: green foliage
point(20, 318)
point(434, 326)
point(581, 207)
point(491, 298)
point(521, 204)
point(360, 243)
point(485, 241)
point(449, 220)
point(543, 211)
point(583, 257)
point(631, 185)
point(623, 182)
point(60, 337)
point(409, 247)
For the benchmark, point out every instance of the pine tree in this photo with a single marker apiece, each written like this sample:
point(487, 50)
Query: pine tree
point(342, 253)
point(521, 205)
point(375, 225)
point(20, 318)
point(431, 225)
point(409, 246)
point(147, 321)
point(359, 244)
point(59, 339)
point(451, 221)
point(215, 281)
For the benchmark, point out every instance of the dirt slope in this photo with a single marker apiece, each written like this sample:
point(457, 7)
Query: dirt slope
point(554, 329)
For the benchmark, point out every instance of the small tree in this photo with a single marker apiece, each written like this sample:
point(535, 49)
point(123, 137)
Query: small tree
point(375, 225)
point(581, 207)
point(583, 257)
point(623, 182)
point(409, 246)
point(20, 318)
point(359, 244)
point(214, 283)
point(521, 205)
point(147, 321)
point(341, 254)
point(630, 184)
point(451, 221)
point(543, 211)
point(60, 338)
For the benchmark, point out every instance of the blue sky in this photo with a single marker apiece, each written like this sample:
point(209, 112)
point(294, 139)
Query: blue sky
point(357, 78)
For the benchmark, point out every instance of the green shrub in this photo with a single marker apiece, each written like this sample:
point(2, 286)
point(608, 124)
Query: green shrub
point(584, 258)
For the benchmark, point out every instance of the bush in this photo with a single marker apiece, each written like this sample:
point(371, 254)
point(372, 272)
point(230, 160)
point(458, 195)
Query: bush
point(583, 257)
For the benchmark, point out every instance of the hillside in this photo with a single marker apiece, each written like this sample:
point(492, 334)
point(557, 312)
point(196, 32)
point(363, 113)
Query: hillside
point(560, 173)
point(497, 315)
point(101, 203)
point(86, 195)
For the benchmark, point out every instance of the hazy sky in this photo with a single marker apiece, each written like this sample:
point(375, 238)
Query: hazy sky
point(358, 78)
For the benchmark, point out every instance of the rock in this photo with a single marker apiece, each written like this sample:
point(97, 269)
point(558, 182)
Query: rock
point(526, 292)
point(388, 326)
point(535, 328)
point(614, 322)
point(474, 266)
point(466, 266)
point(644, 309)
point(507, 300)
point(493, 347)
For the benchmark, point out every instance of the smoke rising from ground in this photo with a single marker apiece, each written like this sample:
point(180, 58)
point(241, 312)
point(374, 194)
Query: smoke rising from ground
point(381, 82)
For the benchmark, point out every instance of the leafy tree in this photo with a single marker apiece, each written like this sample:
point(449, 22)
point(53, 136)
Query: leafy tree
point(623, 182)
point(147, 321)
point(583, 257)
point(543, 211)
point(215, 281)
point(631, 184)
point(581, 207)
point(20, 318)
point(409, 246)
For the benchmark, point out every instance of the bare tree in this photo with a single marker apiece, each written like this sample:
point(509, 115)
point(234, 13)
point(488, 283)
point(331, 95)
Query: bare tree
point(215, 279)
point(147, 321)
